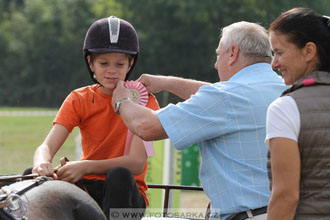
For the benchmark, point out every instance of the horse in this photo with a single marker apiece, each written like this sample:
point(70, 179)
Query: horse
point(43, 198)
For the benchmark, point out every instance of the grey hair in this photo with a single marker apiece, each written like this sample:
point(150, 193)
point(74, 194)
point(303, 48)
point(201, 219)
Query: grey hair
point(252, 39)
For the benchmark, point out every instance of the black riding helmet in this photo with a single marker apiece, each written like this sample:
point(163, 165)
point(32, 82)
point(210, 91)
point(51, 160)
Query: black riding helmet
point(109, 35)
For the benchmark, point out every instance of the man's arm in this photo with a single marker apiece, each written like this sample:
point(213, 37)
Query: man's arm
point(140, 120)
point(181, 87)
point(285, 164)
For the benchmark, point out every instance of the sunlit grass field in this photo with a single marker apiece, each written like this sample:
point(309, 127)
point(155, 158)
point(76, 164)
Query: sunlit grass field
point(21, 135)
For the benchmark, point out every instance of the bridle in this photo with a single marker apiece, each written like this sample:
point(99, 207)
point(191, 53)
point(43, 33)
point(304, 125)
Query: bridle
point(12, 204)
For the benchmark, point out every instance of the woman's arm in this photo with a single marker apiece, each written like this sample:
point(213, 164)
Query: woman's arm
point(45, 153)
point(285, 163)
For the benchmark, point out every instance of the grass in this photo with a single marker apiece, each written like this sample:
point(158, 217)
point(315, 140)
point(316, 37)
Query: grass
point(21, 135)
point(26, 109)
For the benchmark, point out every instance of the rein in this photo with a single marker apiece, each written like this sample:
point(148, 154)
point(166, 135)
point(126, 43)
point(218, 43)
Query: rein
point(12, 204)
point(18, 177)
point(7, 192)
point(63, 161)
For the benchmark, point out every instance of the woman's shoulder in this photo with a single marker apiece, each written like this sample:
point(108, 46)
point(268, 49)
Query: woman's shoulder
point(283, 107)
point(283, 102)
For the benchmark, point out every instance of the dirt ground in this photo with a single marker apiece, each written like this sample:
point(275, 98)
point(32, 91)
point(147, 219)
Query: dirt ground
point(197, 200)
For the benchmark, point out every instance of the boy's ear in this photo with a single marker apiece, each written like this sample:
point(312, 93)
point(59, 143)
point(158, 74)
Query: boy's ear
point(90, 63)
point(131, 63)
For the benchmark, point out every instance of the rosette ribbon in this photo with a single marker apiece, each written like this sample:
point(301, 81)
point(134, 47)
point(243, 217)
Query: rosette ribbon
point(140, 96)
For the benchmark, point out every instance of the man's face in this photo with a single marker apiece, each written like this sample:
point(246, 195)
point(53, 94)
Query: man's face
point(221, 65)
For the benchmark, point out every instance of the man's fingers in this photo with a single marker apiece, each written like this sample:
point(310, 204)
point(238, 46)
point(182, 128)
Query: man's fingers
point(142, 79)
point(120, 83)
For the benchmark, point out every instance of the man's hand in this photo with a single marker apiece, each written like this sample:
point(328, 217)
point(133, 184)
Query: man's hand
point(152, 83)
point(119, 93)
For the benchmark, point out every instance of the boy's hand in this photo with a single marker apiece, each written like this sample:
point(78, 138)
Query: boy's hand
point(119, 93)
point(72, 171)
point(44, 169)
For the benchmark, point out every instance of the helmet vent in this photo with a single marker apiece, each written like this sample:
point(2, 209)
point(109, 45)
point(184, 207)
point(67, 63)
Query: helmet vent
point(114, 27)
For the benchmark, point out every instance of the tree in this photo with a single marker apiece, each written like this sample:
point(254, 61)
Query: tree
point(41, 40)
point(43, 60)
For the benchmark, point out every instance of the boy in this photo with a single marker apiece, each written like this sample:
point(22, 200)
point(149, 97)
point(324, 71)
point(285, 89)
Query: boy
point(113, 179)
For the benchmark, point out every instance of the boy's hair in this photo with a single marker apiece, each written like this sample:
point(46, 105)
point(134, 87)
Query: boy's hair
point(109, 35)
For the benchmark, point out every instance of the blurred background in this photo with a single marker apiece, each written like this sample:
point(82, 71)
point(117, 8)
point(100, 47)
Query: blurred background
point(41, 62)
point(41, 40)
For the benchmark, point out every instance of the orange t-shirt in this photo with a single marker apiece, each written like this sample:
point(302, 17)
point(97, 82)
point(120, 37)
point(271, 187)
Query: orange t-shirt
point(103, 133)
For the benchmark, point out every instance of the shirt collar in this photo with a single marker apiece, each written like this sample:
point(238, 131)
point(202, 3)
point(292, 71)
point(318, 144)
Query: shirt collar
point(252, 72)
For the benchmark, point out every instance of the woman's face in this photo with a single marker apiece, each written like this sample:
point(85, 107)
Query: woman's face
point(288, 58)
point(109, 68)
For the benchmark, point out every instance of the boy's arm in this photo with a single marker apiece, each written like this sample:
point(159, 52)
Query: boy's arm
point(135, 161)
point(181, 87)
point(44, 154)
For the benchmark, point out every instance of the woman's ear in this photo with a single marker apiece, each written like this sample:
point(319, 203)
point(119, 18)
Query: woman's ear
point(90, 63)
point(310, 51)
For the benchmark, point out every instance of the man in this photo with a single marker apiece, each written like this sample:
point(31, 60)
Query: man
point(227, 119)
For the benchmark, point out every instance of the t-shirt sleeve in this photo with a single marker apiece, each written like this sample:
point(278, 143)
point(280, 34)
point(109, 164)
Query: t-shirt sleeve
point(283, 119)
point(152, 102)
point(200, 118)
point(69, 115)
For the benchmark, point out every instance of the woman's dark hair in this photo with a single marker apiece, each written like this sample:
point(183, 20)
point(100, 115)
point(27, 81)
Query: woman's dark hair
point(303, 25)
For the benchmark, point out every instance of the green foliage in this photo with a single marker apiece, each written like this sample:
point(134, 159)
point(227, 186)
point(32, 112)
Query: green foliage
point(43, 55)
point(41, 40)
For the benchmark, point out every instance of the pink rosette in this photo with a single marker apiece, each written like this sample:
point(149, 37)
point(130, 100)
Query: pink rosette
point(140, 96)
point(139, 92)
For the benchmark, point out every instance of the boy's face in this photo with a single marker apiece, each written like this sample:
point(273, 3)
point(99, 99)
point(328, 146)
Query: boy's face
point(109, 68)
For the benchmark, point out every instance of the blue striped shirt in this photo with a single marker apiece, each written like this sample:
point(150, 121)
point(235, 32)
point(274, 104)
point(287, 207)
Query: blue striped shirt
point(227, 120)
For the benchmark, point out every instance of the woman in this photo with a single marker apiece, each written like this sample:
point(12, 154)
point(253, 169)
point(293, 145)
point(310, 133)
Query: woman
point(298, 123)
